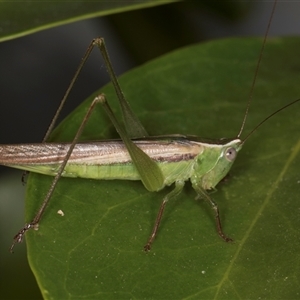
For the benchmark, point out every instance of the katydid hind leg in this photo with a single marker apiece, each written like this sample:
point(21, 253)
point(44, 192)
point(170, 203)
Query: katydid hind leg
point(133, 126)
point(149, 171)
point(174, 193)
point(18, 238)
point(133, 129)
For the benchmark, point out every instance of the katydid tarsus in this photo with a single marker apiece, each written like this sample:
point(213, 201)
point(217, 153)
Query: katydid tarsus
point(156, 161)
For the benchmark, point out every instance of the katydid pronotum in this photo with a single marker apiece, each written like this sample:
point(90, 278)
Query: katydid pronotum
point(156, 161)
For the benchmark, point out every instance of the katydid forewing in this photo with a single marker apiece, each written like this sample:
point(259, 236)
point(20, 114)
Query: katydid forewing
point(208, 185)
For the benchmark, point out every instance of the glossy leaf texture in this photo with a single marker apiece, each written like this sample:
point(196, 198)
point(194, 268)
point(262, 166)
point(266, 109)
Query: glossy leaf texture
point(96, 249)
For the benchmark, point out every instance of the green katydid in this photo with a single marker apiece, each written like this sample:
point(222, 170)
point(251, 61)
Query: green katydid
point(157, 161)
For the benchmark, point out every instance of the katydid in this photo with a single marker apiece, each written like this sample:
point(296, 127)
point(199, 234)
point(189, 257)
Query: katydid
point(156, 161)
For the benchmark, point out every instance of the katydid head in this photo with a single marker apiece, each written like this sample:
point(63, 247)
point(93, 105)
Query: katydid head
point(215, 162)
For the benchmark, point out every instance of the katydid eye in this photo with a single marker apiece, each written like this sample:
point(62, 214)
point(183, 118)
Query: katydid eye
point(230, 154)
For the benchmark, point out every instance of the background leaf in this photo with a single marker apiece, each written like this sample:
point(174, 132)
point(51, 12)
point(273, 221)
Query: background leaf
point(95, 250)
point(34, 16)
point(36, 69)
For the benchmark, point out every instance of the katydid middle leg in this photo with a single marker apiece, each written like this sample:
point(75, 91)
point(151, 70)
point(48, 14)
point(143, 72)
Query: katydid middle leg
point(174, 193)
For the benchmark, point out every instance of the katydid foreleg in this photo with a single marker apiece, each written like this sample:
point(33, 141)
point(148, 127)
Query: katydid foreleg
point(204, 195)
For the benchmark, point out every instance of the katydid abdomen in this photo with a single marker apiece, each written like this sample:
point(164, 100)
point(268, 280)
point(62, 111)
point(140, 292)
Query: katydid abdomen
point(109, 160)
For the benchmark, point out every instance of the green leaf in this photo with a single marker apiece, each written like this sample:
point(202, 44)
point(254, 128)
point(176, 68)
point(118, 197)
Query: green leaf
point(34, 16)
point(96, 249)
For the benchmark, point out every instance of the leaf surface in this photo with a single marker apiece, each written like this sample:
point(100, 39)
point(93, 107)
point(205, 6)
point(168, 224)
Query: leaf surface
point(96, 249)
